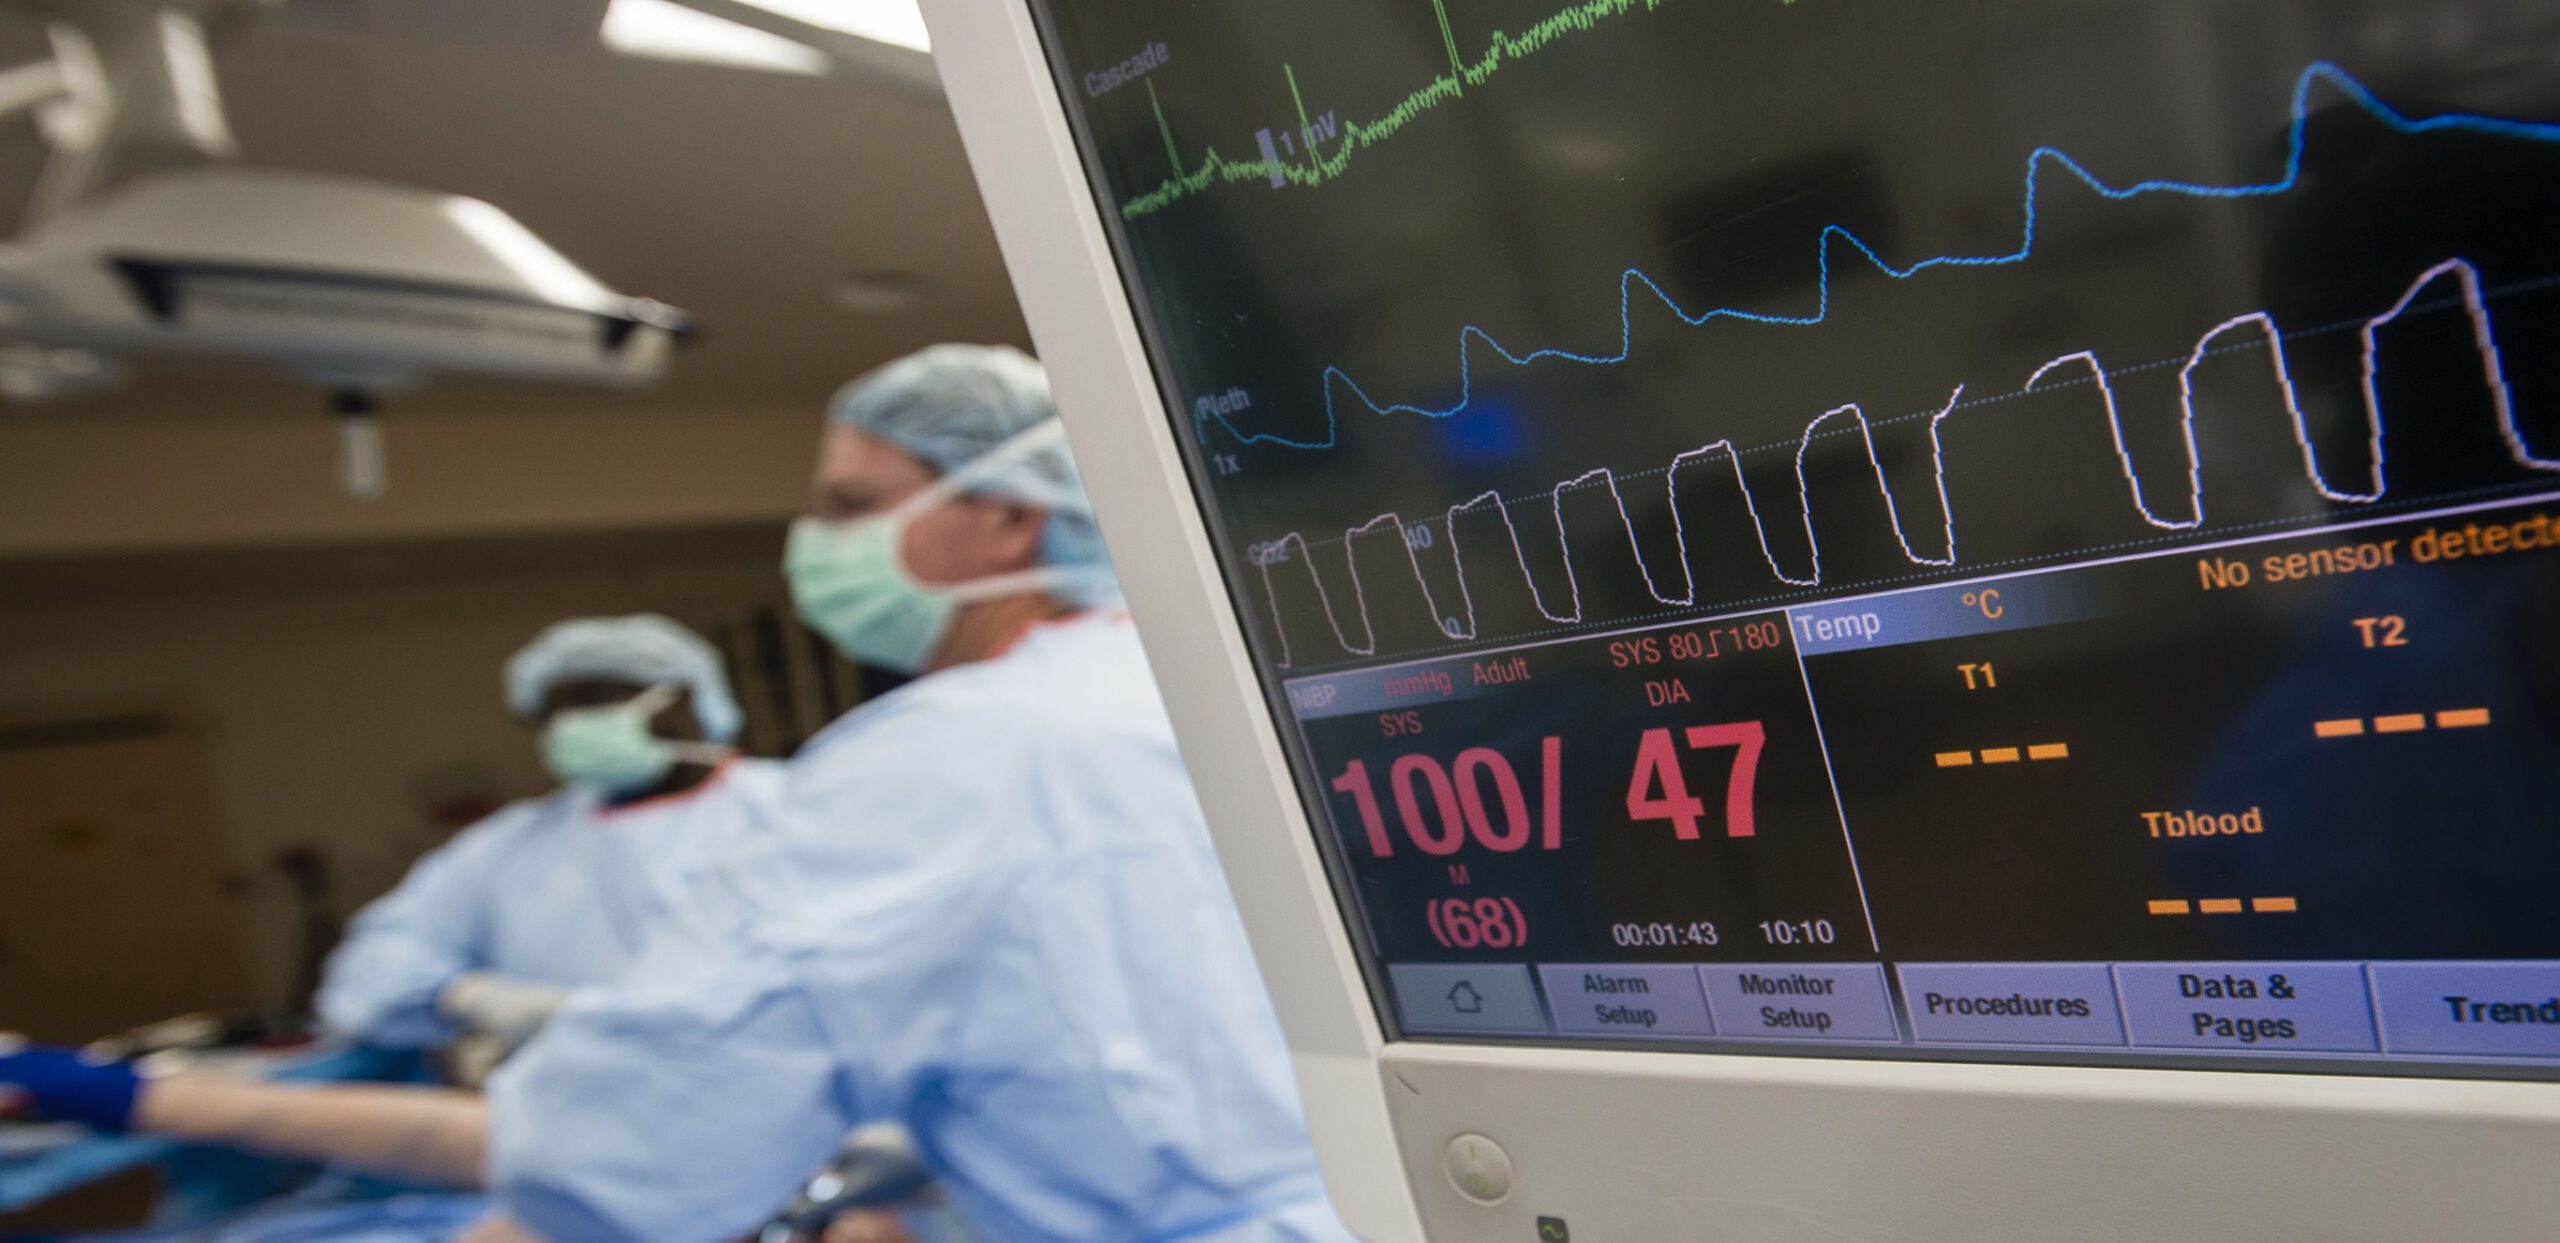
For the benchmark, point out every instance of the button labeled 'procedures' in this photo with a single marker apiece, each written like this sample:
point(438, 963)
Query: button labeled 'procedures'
point(2257, 1006)
point(1621, 1000)
point(2012, 1003)
point(1845, 1001)
point(2510, 1008)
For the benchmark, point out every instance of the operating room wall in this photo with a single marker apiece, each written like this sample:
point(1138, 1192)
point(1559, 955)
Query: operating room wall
point(181, 466)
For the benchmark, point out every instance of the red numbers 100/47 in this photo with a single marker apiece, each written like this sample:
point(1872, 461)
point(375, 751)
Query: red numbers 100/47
point(1478, 797)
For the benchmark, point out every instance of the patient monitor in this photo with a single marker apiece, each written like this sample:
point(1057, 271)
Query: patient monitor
point(1842, 619)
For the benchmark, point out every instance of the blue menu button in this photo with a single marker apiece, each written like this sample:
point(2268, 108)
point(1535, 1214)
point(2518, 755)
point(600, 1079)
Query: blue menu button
point(1828, 1001)
point(2509, 1009)
point(1492, 998)
point(2261, 1007)
point(2012, 1003)
point(1619, 999)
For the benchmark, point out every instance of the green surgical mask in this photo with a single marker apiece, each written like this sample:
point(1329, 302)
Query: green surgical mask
point(610, 748)
point(850, 583)
point(847, 583)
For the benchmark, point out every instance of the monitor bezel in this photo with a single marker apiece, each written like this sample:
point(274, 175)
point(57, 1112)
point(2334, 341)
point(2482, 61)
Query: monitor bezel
point(1357, 1085)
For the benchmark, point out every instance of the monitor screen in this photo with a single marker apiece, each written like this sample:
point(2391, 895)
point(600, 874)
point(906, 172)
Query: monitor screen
point(2014, 530)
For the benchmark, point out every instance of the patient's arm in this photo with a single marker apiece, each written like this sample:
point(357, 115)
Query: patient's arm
point(499, 1228)
point(427, 1135)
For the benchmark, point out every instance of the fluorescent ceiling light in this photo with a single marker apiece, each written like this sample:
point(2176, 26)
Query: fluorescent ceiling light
point(882, 21)
point(669, 31)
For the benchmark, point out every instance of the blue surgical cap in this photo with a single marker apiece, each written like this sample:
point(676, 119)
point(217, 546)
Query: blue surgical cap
point(643, 648)
point(951, 404)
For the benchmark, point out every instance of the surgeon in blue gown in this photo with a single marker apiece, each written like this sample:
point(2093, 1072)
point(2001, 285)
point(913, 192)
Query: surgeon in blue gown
point(1028, 956)
point(486, 935)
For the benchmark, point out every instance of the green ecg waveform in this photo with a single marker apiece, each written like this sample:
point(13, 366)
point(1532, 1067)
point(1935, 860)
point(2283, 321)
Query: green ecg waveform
point(1318, 168)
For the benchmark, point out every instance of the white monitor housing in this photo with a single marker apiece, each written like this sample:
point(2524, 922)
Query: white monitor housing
point(1934, 1131)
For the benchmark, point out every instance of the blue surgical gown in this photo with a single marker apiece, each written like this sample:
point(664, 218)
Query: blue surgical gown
point(992, 914)
point(558, 890)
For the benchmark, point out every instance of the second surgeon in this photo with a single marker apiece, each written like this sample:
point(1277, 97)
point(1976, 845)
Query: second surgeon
point(485, 936)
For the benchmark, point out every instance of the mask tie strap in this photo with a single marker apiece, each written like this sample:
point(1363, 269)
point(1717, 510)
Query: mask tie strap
point(1022, 444)
point(647, 704)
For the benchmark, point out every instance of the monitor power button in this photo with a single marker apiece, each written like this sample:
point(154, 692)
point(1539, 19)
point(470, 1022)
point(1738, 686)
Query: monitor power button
point(1479, 1169)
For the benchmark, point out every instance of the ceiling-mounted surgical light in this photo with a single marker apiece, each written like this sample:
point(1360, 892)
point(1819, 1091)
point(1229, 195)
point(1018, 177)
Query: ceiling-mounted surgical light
point(150, 244)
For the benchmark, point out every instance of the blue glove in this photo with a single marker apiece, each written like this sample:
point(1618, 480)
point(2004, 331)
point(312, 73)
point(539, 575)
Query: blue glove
point(67, 1087)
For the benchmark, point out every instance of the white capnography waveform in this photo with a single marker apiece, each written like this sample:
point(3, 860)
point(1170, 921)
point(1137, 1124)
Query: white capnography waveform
point(1294, 548)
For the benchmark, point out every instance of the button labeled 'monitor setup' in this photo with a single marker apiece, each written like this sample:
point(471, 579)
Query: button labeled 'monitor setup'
point(2012, 1003)
point(2489, 1008)
point(1844, 1001)
point(1438, 997)
point(1617, 999)
point(2247, 1006)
